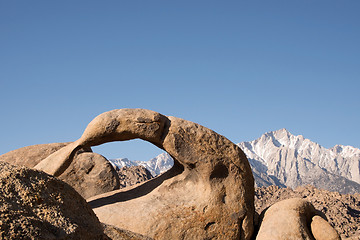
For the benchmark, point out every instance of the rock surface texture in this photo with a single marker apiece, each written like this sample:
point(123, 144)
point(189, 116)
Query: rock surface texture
point(290, 219)
point(115, 233)
point(89, 173)
point(341, 210)
point(322, 230)
point(208, 194)
point(31, 155)
point(133, 175)
point(34, 205)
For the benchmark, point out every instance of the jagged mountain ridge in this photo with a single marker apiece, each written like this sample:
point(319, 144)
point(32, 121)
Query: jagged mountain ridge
point(282, 159)
point(156, 165)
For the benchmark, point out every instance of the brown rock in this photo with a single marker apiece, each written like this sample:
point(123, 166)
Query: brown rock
point(322, 230)
point(209, 193)
point(287, 219)
point(34, 205)
point(133, 175)
point(31, 155)
point(290, 219)
point(120, 234)
point(341, 210)
point(90, 173)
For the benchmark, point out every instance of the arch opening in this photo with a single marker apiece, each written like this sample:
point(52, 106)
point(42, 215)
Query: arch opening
point(134, 150)
point(135, 160)
point(170, 168)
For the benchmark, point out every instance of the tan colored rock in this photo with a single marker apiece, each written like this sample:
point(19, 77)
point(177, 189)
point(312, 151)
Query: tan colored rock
point(357, 237)
point(34, 205)
point(133, 175)
point(209, 193)
point(31, 155)
point(341, 210)
point(89, 173)
point(115, 233)
point(322, 230)
point(291, 219)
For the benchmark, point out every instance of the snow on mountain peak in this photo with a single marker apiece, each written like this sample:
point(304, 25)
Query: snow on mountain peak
point(295, 160)
point(156, 165)
point(121, 162)
point(285, 138)
point(346, 151)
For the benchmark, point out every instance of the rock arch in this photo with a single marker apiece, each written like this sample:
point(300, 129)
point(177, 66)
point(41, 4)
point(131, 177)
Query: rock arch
point(209, 193)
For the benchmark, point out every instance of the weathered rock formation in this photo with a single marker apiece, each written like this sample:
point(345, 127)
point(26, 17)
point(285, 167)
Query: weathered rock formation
point(31, 155)
point(291, 219)
point(115, 233)
point(209, 193)
point(89, 173)
point(34, 205)
point(322, 230)
point(341, 210)
point(133, 175)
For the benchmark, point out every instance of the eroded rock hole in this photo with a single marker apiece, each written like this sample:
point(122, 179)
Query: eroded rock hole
point(91, 167)
point(192, 165)
point(223, 199)
point(208, 225)
point(219, 171)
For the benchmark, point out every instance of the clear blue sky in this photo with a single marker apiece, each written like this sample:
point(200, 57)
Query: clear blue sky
point(241, 68)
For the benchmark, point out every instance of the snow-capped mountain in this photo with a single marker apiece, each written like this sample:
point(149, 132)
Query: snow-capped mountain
point(119, 163)
point(282, 159)
point(159, 164)
point(156, 165)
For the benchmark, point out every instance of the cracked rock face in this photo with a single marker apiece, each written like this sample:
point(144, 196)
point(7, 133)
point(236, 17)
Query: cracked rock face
point(209, 193)
point(294, 218)
point(34, 205)
point(89, 173)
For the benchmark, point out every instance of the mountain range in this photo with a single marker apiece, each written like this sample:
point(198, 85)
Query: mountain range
point(283, 159)
point(156, 165)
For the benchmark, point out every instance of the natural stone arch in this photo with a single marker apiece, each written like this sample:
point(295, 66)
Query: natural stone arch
point(209, 193)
